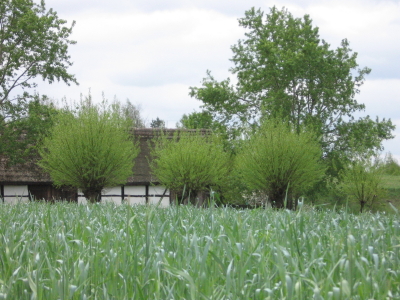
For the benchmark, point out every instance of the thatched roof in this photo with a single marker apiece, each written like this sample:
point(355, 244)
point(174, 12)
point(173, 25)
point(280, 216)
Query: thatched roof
point(31, 173)
point(141, 169)
point(28, 172)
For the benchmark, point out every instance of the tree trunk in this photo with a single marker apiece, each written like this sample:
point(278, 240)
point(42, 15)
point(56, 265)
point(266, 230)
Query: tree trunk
point(196, 198)
point(93, 195)
point(362, 203)
point(200, 199)
point(277, 199)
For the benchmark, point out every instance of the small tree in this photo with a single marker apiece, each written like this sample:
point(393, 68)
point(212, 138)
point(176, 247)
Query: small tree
point(362, 181)
point(89, 150)
point(277, 161)
point(190, 163)
point(157, 123)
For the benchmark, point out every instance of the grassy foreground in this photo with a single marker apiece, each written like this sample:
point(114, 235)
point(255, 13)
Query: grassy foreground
point(69, 251)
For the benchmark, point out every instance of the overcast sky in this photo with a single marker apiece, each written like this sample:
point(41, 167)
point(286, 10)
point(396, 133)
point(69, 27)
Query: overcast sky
point(152, 51)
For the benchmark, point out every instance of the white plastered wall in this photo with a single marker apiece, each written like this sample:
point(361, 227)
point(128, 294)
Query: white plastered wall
point(81, 198)
point(154, 195)
point(111, 195)
point(133, 195)
point(131, 191)
point(16, 193)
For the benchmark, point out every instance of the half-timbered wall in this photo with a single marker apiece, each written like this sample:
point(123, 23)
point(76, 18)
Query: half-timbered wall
point(15, 193)
point(140, 194)
point(27, 181)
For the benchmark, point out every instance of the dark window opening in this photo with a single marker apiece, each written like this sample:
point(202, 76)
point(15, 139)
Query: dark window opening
point(51, 193)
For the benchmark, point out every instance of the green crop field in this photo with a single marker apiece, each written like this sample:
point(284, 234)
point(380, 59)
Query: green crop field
point(69, 251)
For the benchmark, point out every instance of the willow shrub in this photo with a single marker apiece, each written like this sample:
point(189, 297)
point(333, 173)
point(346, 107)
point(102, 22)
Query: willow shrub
point(276, 161)
point(362, 182)
point(89, 149)
point(190, 163)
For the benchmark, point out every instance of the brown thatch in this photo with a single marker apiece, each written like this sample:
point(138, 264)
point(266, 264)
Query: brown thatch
point(144, 136)
point(30, 173)
point(141, 169)
point(26, 173)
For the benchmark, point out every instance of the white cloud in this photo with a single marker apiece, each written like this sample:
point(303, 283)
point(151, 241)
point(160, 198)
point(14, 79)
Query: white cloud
point(154, 49)
point(372, 27)
point(381, 97)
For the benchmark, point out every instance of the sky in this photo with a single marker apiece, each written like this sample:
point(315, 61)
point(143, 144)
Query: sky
point(151, 52)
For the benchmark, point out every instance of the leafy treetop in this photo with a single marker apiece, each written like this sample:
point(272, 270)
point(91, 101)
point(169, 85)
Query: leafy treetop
point(284, 70)
point(33, 43)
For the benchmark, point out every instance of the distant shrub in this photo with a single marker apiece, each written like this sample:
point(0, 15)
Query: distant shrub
point(390, 165)
point(362, 182)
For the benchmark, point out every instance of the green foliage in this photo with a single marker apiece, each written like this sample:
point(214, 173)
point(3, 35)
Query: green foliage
point(391, 181)
point(206, 120)
point(130, 112)
point(69, 251)
point(278, 161)
point(190, 162)
point(199, 120)
point(284, 70)
point(33, 43)
point(390, 165)
point(22, 134)
point(157, 123)
point(362, 182)
point(89, 149)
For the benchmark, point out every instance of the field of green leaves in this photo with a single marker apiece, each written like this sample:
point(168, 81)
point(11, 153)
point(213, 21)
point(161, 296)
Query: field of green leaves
point(69, 251)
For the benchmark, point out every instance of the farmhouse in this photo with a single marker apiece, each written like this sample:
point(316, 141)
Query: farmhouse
point(27, 182)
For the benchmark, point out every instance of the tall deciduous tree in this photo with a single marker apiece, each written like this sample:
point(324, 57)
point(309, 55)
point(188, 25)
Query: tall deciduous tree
point(33, 43)
point(285, 70)
point(89, 149)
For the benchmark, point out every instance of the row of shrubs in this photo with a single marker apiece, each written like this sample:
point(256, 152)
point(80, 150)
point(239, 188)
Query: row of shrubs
point(91, 148)
point(272, 166)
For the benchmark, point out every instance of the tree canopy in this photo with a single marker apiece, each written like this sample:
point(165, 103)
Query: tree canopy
point(157, 123)
point(21, 137)
point(89, 149)
point(129, 111)
point(284, 70)
point(197, 120)
point(278, 161)
point(362, 182)
point(33, 43)
point(189, 163)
